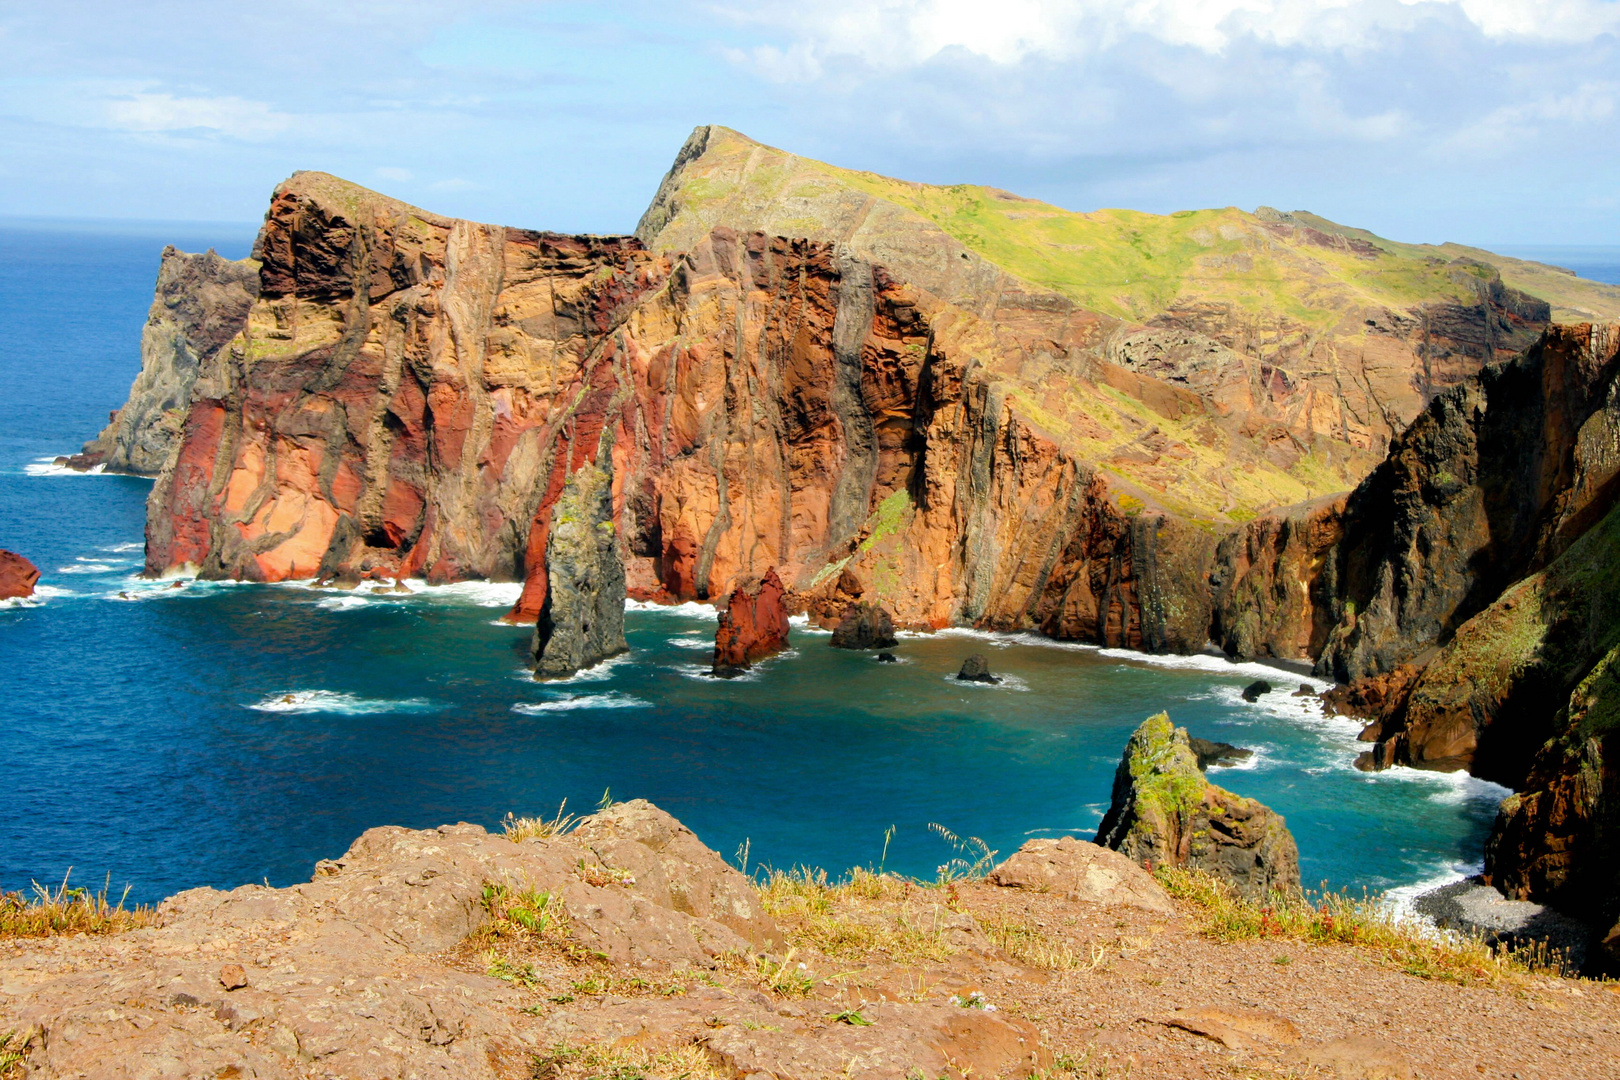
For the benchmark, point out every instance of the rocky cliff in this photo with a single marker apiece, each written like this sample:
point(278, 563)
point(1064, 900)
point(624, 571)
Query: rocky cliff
point(199, 305)
point(1165, 813)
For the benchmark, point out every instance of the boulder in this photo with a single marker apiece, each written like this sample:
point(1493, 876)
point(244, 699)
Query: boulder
point(887, 658)
point(17, 576)
point(581, 622)
point(1164, 812)
point(976, 669)
point(753, 625)
point(1217, 753)
point(1080, 871)
point(864, 626)
point(1253, 691)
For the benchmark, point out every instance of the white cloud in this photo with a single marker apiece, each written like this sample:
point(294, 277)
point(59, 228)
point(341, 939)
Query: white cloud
point(1504, 130)
point(162, 112)
point(389, 172)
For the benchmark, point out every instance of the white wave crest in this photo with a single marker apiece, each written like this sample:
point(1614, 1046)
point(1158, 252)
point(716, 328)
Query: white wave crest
point(682, 641)
point(691, 608)
point(87, 568)
point(332, 701)
point(48, 467)
point(596, 673)
point(613, 699)
point(123, 549)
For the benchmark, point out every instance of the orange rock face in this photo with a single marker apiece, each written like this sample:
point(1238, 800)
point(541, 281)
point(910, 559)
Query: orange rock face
point(753, 625)
point(17, 576)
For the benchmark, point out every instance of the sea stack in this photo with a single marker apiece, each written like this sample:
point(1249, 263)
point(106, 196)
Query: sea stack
point(582, 619)
point(753, 625)
point(864, 626)
point(976, 669)
point(17, 576)
point(1165, 813)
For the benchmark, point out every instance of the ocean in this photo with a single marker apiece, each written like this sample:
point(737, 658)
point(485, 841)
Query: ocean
point(217, 734)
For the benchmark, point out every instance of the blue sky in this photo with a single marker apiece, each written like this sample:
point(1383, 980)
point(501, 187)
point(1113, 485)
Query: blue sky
point(1483, 121)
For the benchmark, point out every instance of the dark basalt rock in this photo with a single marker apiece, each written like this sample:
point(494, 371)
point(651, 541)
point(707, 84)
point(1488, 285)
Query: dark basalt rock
point(582, 620)
point(976, 669)
point(1217, 753)
point(1304, 691)
point(864, 626)
point(887, 658)
point(1253, 691)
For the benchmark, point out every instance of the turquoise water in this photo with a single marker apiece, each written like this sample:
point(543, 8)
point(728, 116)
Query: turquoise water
point(148, 735)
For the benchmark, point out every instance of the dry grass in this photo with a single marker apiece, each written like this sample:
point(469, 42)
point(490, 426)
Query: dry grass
point(13, 1053)
point(863, 914)
point(519, 829)
point(1339, 919)
point(68, 911)
point(603, 1061)
point(1027, 943)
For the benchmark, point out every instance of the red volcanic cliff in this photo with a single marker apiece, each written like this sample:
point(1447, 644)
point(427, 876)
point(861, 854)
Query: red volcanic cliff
point(753, 625)
point(409, 393)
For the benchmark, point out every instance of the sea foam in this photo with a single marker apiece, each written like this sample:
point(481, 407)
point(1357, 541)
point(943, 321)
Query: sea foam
point(613, 699)
point(333, 701)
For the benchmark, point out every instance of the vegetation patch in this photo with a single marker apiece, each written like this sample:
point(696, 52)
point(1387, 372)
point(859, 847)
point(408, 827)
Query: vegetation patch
point(605, 1061)
point(68, 910)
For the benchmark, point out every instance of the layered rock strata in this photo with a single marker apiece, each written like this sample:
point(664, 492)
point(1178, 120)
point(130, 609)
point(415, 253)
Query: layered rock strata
point(1164, 812)
point(581, 620)
point(753, 624)
point(199, 305)
point(18, 576)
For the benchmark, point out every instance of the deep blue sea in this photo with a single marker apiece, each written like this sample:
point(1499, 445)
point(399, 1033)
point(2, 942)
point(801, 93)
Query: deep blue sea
point(219, 734)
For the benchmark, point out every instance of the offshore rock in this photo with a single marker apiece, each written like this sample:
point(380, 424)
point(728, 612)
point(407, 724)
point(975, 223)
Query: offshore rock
point(582, 620)
point(18, 576)
point(1210, 752)
point(201, 302)
point(1163, 812)
point(753, 625)
point(1255, 690)
point(976, 669)
point(864, 626)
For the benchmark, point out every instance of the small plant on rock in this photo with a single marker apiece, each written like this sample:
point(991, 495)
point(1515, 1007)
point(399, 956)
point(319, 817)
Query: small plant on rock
point(533, 828)
point(68, 910)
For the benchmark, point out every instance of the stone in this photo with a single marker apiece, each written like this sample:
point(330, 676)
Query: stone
point(1236, 1029)
point(753, 625)
point(1163, 812)
point(18, 576)
point(976, 669)
point(233, 977)
point(1217, 753)
point(887, 658)
point(582, 620)
point(1086, 873)
point(1305, 690)
point(1254, 690)
point(864, 626)
point(1359, 1057)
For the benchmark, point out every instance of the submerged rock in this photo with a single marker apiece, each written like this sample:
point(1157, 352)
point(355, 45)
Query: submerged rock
point(582, 620)
point(976, 669)
point(864, 626)
point(753, 625)
point(1254, 690)
point(1164, 812)
point(1210, 752)
point(887, 658)
point(17, 576)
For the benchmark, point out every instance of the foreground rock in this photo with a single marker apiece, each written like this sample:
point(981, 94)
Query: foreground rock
point(865, 626)
point(1164, 812)
point(18, 576)
point(1080, 871)
point(753, 625)
point(976, 669)
point(581, 621)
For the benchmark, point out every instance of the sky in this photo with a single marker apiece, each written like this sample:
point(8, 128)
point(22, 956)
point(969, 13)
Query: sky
point(1480, 121)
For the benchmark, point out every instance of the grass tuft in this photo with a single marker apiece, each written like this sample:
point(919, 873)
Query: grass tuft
point(68, 910)
point(1339, 919)
point(519, 829)
point(604, 1061)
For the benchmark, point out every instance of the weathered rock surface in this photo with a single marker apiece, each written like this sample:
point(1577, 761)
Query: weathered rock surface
point(753, 625)
point(864, 626)
point(976, 669)
point(581, 620)
point(18, 576)
point(1080, 871)
point(1474, 907)
point(1163, 812)
point(201, 302)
